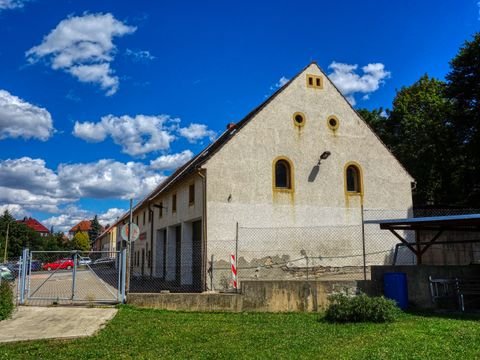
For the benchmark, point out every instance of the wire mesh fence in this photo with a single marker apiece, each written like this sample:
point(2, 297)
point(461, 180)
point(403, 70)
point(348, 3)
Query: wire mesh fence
point(9, 272)
point(344, 249)
point(66, 277)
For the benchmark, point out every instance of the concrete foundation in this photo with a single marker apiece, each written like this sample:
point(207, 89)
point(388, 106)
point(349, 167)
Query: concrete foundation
point(261, 296)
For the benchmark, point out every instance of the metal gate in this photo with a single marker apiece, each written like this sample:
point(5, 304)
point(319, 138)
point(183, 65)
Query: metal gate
point(69, 277)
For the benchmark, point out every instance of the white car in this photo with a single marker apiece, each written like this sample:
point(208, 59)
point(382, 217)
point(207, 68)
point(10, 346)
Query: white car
point(84, 260)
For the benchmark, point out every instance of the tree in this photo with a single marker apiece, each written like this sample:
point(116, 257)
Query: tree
point(19, 236)
point(377, 119)
point(95, 229)
point(463, 88)
point(80, 241)
point(423, 139)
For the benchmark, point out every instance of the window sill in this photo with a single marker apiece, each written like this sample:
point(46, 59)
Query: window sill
point(283, 190)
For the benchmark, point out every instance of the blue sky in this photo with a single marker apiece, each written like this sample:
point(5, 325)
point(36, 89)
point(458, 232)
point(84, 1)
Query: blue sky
point(100, 100)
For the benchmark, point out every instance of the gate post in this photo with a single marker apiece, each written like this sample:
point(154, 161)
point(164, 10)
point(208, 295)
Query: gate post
point(23, 275)
point(124, 275)
point(74, 274)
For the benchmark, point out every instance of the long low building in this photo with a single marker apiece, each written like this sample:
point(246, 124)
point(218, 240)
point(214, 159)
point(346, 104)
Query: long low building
point(302, 158)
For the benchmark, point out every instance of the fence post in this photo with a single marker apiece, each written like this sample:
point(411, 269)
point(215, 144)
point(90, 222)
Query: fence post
point(23, 270)
point(211, 273)
point(74, 274)
point(236, 256)
point(363, 247)
point(124, 277)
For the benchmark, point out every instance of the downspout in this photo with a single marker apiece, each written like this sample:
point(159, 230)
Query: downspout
point(204, 230)
point(150, 257)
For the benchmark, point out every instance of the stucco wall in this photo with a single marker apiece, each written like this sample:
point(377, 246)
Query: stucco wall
point(239, 177)
point(185, 213)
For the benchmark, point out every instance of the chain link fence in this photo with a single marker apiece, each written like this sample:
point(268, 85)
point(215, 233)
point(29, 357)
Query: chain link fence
point(344, 249)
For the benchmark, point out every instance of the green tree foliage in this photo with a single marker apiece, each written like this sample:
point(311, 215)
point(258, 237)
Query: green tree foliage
point(419, 132)
point(424, 141)
point(19, 236)
point(95, 229)
point(378, 121)
point(463, 88)
point(80, 241)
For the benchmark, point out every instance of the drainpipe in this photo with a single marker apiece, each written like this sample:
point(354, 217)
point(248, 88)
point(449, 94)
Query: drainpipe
point(150, 257)
point(204, 229)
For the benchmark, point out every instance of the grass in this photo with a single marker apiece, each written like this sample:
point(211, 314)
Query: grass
point(153, 334)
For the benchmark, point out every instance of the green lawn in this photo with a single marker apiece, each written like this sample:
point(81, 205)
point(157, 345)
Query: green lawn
point(153, 334)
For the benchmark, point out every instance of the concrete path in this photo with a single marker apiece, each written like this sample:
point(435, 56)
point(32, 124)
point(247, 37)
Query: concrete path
point(34, 323)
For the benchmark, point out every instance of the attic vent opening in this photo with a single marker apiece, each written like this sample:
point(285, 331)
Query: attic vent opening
point(314, 81)
point(333, 123)
point(299, 119)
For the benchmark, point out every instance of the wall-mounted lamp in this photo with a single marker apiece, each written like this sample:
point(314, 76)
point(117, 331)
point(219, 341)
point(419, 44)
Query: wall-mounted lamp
point(324, 156)
point(160, 206)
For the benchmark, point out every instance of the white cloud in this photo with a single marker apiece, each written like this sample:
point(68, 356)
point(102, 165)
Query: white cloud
point(195, 132)
point(15, 210)
point(83, 46)
point(137, 135)
point(110, 216)
point(12, 4)
point(172, 161)
point(72, 215)
point(140, 55)
point(30, 184)
point(283, 80)
point(108, 179)
point(344, 76)
point(18, 118)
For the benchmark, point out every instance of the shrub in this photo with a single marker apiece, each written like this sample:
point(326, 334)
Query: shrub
point(361, 308)
point(6, 300)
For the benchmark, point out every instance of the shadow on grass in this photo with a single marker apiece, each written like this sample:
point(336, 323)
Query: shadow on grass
point(445, 314)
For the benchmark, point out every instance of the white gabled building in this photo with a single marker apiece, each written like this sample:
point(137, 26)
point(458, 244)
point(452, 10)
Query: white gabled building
point(267, 171)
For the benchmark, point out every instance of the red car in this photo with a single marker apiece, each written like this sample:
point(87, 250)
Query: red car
point(59, 264)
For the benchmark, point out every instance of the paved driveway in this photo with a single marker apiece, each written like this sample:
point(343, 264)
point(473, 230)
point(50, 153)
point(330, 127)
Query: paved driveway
point(34, 323)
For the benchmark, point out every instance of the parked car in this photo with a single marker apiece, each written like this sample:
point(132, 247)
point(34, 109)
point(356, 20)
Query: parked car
point(105, 261)
point(35, 266)
point(6, 274)
point(59, 264)
point(84, 260)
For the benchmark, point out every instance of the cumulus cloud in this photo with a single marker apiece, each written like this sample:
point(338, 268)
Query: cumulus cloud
point(12, 4)
point(15, 210)
point(83, 47)
point(72, 215)
point(139, 55)
point(108, 179)
point(19, 118)
point(137, 135)
point(172, 161)
point(195, 132)
point(30, 184)
point(345, 77)
point(141, 134)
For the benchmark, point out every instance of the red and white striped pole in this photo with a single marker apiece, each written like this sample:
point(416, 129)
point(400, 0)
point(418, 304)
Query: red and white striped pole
point(233, 263)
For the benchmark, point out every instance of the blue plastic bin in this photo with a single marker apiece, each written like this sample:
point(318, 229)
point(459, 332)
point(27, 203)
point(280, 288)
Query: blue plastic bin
point(395, 288)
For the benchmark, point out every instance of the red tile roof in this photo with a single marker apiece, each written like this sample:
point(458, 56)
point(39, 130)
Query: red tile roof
point(83, 225)
point(34, 224)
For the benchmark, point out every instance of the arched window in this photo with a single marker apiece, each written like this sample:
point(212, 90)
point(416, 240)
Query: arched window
point(283, 174)
point(353, 179)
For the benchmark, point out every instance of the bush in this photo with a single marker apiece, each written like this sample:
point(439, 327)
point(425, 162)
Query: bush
point(6, 300)
point(361, 308)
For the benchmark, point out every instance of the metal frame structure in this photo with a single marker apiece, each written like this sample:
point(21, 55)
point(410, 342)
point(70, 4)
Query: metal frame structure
point(437, 224)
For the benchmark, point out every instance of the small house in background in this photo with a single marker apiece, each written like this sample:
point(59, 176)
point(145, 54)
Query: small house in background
point(106, 241)
point(35, 225)
point(82, 226)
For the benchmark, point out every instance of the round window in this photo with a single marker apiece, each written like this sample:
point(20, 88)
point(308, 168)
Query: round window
point(299, 119)
point(333, 122)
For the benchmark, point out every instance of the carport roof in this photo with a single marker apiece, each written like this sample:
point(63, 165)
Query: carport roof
point(469, 222)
